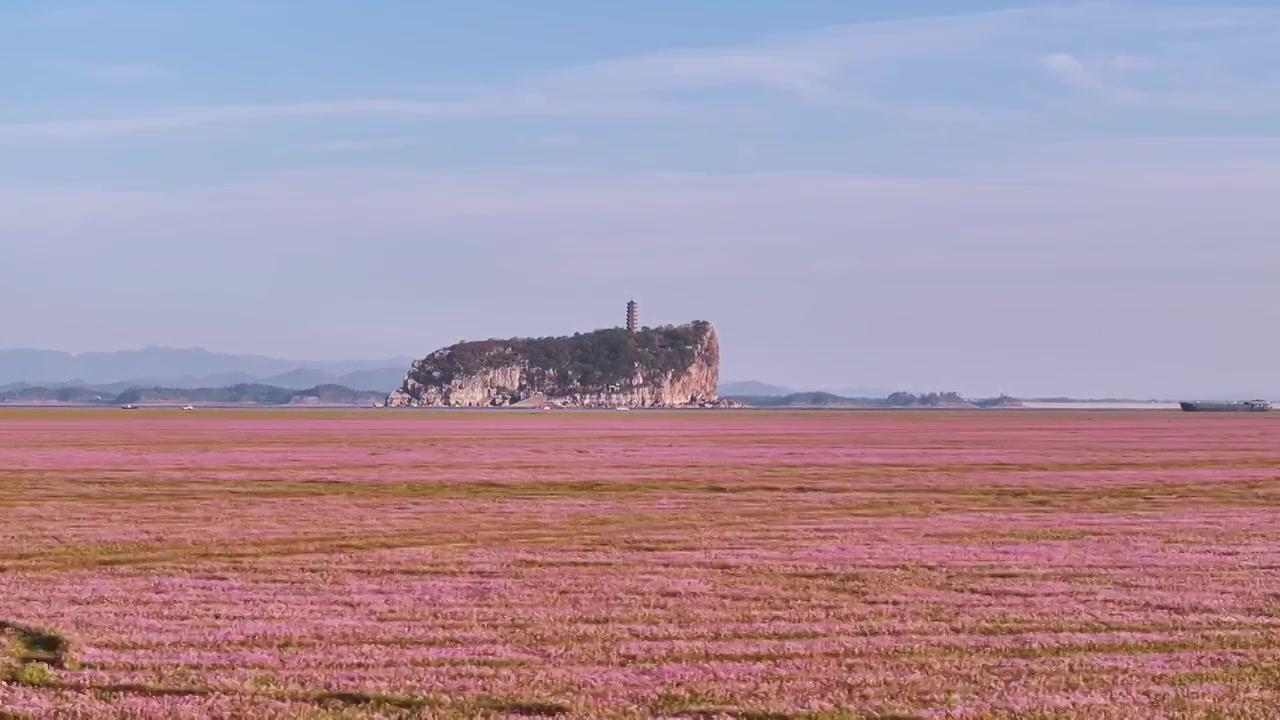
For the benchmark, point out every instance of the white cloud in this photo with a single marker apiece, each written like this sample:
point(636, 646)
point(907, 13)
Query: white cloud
point(1069, 70)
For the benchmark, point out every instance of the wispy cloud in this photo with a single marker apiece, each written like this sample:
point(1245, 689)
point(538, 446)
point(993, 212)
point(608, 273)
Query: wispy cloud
point(526, 105)
point(1112, 80)
point(908, 70)
point(827, 67)
point(805, 67)
point(169, 119)
point(1095, 77)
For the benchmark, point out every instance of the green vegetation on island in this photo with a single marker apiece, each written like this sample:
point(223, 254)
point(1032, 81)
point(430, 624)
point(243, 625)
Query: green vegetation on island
point(598, 359)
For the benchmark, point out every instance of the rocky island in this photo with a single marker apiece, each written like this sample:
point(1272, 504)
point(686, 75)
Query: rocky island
point(667, 367)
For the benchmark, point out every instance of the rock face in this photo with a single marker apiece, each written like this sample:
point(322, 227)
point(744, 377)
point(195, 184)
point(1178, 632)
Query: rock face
point(672, 366)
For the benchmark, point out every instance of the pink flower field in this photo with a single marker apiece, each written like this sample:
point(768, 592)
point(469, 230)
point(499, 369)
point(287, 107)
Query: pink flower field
point(314, 564)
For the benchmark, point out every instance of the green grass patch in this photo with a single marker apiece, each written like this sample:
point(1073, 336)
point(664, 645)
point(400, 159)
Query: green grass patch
point(33, 674)
point(35, 645)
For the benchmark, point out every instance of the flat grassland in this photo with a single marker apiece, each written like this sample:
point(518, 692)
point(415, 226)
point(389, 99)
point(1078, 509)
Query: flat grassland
point(296, 564)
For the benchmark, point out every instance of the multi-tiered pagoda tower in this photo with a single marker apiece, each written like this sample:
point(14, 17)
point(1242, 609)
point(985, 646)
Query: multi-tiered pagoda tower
point(632, 316)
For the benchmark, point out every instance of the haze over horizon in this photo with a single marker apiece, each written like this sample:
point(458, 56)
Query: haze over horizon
point(1072, 199)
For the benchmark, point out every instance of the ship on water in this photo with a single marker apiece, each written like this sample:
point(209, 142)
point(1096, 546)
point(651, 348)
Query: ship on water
point(1234, 406)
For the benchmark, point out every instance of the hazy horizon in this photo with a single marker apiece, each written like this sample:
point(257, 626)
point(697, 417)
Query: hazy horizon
point(849, 388)
point(1068, 199)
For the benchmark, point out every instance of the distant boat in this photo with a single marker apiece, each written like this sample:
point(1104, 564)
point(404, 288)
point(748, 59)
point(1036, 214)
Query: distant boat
point(129, 407)
point(1234, 406)
point(624, 409)
point(187, 407)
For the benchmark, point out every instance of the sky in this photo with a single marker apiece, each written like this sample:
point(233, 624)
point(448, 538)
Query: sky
point(989, 197)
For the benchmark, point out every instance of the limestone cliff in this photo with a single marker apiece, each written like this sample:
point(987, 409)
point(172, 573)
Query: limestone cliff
point(672, 366)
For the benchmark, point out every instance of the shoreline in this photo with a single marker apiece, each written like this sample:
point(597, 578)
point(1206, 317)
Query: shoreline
point(1028, 407)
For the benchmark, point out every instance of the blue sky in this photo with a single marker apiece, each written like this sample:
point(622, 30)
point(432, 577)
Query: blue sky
point(992, 197)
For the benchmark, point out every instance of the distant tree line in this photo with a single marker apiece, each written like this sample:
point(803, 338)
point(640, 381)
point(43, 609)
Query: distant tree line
point(249, 393)
point(895, 400)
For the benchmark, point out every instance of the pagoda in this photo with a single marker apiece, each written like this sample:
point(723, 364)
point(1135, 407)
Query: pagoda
point(632, 325)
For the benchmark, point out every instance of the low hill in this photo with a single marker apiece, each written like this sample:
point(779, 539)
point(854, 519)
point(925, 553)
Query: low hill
point(894, 400)
point(752, 388)
point(240, 394)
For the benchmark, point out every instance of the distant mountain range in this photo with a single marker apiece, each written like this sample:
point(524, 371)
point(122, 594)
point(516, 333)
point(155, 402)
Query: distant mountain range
point(240, 394)
point(184, 368)
point(752, 388)
point(755, 388)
